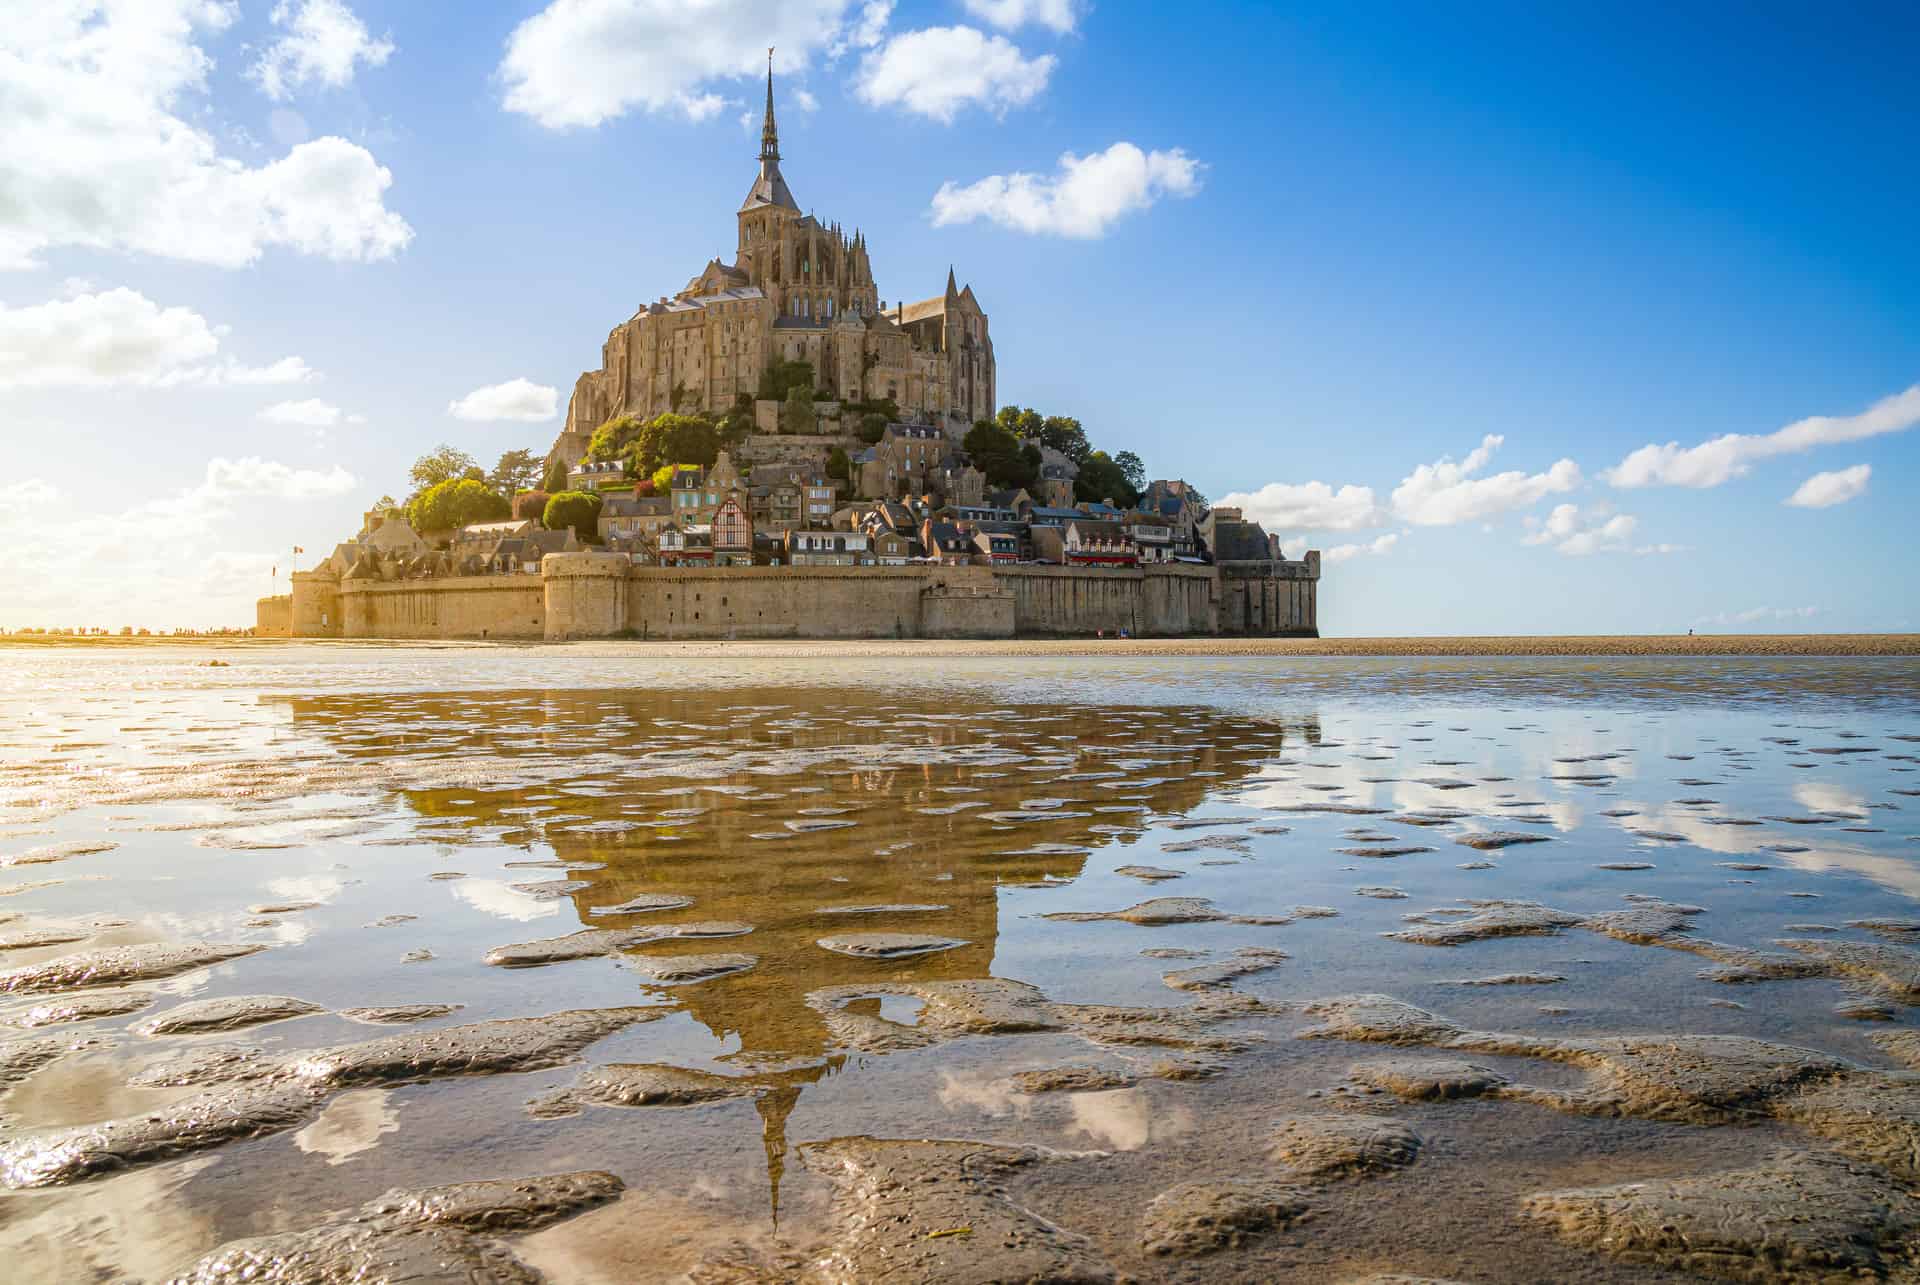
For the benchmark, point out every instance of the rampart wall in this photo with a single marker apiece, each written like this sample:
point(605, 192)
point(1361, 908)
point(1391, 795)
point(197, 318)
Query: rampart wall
point(507, 606)
point(599, 595)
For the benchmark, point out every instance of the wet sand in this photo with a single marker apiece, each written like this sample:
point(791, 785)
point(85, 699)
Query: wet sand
point(1526, 645)
point(358, 971)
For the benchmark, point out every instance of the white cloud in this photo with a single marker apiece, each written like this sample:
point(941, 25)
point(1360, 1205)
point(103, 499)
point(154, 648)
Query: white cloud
point(517, 399)
point(322, 41)
point(33, 493)
point(1381, 544)
point(121, 337)
point(1824, 490)
point(805, 100)
point(164, 561)
point(1579, 532)
point(252, 475)
point(1445, 493)
point(1082, 199)
point(101, 152)
point(311, 413)
point(941, 70)
point(1311, 506)
point(1758, 615)
point(867, 29)
point(1731, 455)
point(1009, 15)
point(585, 62)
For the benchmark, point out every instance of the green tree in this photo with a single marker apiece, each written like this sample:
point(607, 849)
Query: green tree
point(577, 509)
point(610, 440)
point(1101, 479)
point(782, 377)
point(530, 504)
point(797, 415)
point(555, 478)
point(1019, 421)
point(839, 466)
point(873, 427)
point(686, 439)
point(517, 471)
point(1003, 457)
point(1132, 468)
point(388, 506)
point(442, 464)
point(1063, 433)
point(455, 503)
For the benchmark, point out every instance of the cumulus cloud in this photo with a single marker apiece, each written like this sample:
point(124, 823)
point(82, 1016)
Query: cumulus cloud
point(585, 62)
point(121, 337)
point(1445, 493)
point(1381, 544)
point(1309, 506)
point(517, 399)
point(310, 413)
point(20, 497)
point(102, 152)
point(1081, 199)
point(939, 71)
point(1824, 490)
point(1578, 533)
point(1009, 15)
point(252, 475)
point(865, 30)
point(1732, 454)
point(164, 561)
point(320, 42)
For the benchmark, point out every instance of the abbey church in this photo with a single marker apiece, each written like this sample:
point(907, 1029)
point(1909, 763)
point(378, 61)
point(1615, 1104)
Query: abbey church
point(797, 290)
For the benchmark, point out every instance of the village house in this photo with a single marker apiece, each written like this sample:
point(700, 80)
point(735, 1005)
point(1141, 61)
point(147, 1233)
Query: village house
point(1151, 536)
point(479, 538)
point(1092, 543)
point(946, 544)
point(731, 533)
point(597, 475)
point(623, 517)
point(685, 546)
point(903, 461)
point(997, 543)
point(893, 548)
point(828, 549)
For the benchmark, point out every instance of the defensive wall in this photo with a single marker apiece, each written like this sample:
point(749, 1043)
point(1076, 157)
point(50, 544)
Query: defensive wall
point(600, 595)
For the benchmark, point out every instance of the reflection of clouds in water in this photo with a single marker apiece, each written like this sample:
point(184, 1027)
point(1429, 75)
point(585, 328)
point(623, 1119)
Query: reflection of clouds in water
point(1819, 796)
point(136, 1227)
point(282, 930)
point(494, 897)
point(1124, 1120)
point(989, 1095)
point(306, 887)
point(1824, 856)
point(352, 1123)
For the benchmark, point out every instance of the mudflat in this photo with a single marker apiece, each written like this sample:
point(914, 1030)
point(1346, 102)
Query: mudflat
point(1488, 645)
point(613, 962)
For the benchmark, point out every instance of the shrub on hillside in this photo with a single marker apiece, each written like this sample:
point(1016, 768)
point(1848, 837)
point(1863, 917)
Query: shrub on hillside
point(455, 502)
point(577, 509)
point(530, 504)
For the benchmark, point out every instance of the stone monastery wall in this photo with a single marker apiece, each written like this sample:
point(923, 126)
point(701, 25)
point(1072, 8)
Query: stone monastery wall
point(600, 595)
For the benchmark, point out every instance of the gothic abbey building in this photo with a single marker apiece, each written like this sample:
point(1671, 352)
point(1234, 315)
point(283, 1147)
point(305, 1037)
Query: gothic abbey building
point(797, 290)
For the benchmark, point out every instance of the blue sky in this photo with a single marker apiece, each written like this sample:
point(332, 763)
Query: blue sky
point(1318, 257)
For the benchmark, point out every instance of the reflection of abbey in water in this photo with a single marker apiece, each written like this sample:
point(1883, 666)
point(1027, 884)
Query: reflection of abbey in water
point(783, 809)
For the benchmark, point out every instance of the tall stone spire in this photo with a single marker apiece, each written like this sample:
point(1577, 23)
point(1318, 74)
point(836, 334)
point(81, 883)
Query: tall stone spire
point(769, 132)
point(769, 188)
